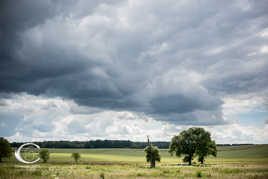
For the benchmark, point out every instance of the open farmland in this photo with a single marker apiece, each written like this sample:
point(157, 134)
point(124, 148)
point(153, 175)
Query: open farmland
point(232, 162)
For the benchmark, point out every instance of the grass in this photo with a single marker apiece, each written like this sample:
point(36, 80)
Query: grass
point(232, 162)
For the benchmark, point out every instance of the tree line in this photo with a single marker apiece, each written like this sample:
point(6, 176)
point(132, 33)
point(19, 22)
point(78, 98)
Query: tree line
point(95, 144)
point(103, 144)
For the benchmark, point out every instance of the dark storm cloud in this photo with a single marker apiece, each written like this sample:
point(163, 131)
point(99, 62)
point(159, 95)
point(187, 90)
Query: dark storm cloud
point(16, 18)
point(171, 60)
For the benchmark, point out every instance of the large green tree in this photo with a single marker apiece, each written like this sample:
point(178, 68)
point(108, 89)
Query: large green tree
point(205, 146)
point(193, 142)
point(5, 148)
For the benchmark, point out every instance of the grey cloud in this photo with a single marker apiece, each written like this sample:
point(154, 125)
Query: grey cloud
point(115, 57)
point(183, 104)
point(2, 103)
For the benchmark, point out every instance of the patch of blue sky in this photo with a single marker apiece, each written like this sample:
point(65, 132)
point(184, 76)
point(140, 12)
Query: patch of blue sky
point(255, 117)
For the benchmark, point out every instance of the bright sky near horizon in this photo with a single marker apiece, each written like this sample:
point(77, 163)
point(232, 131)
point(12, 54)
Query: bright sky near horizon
point(125, 69)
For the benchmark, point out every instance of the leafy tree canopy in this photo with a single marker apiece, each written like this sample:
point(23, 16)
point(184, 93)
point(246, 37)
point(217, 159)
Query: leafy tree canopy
point(193, 142)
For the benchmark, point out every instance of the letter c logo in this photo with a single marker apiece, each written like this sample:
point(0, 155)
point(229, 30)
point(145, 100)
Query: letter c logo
point(18, 155)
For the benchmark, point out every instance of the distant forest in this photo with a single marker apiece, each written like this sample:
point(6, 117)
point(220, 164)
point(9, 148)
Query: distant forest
point(103, 144)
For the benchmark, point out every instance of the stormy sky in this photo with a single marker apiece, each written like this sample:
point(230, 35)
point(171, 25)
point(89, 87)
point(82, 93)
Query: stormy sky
point(125, 69)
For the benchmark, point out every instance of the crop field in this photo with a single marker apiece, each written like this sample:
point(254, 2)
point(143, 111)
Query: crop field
point(232, 162)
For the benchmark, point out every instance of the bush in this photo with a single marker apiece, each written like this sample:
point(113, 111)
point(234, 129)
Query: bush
point(5, 149)
point(152, 155)
point(199, 174)
point(44, 155)
point(36, 173)
point(76, 156)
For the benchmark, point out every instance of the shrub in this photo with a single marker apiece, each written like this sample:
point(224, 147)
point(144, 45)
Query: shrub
point(36, 173)
point(44, 155)
point(152, 155)
point(76, 156)
point(102, 175)
point(199, 174)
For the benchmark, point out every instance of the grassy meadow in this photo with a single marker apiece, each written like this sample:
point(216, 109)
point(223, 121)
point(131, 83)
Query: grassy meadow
point(232, 162)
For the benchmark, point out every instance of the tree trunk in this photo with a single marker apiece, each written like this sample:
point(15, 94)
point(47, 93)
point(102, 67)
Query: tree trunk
point(152, 164)
point(190, 160)
point(151, 159)
point(201, 159)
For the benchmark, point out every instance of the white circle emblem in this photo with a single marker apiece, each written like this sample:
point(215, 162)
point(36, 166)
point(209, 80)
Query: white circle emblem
point(18, 155)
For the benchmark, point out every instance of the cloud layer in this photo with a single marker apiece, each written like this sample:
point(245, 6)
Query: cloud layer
point(171, 61)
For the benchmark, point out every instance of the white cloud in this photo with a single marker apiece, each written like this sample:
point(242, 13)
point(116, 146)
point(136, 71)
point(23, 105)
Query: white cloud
point(264, 49)
point(264, 33)
point(241, 104)
point(236, 133)
point(215, 51)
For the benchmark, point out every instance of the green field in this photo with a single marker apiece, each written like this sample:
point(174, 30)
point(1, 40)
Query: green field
point(232, 162)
